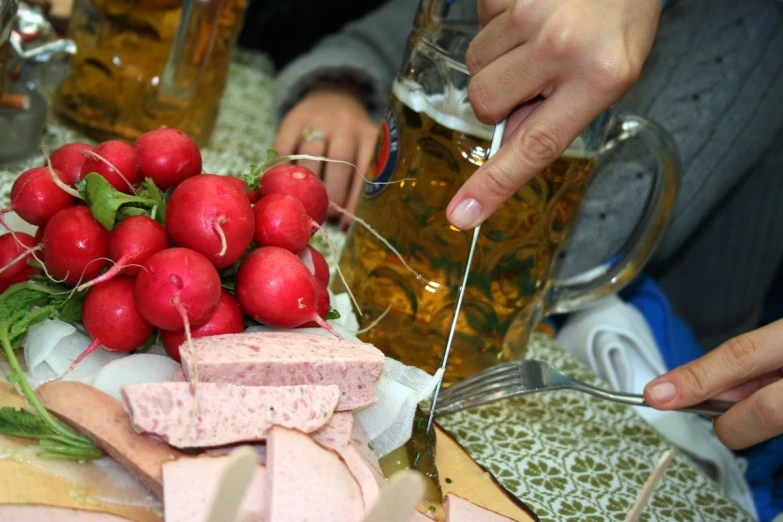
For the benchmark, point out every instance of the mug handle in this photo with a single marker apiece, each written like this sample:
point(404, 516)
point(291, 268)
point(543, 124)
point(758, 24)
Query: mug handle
point(191, 49)
point(580, 291)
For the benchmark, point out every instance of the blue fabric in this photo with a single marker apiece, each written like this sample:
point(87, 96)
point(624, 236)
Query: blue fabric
point(679, 346)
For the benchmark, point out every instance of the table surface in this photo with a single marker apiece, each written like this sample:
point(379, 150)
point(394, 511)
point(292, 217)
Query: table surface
point(569, 456)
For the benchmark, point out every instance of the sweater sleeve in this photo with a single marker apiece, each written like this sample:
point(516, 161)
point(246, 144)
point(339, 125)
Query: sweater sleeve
point(367, 52)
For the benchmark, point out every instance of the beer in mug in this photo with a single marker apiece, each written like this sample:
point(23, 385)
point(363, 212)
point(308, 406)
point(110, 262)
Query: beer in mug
point(429, 143)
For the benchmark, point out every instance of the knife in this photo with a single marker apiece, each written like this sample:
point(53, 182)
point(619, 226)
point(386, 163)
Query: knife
point(497, 140)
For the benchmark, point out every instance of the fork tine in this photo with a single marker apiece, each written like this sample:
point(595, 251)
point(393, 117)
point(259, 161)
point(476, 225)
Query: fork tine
point(483, 390)
point(475, 387)
point(498, 369)
point(481, 400)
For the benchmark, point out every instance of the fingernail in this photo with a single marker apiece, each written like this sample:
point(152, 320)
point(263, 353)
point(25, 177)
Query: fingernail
point(663, 391)
point(465, 215)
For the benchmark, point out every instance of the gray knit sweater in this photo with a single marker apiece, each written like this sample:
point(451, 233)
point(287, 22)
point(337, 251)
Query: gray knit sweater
point(714, 80)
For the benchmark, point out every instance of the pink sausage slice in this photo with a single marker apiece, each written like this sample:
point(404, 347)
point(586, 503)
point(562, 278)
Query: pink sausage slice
point(289, 359)
point(103, 419)
point(460, 510)
point(307, 482)
point(226, 413)
point(336, 433)
point(41, 513)
point(189, 488)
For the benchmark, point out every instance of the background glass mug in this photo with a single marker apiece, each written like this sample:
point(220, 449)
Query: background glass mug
point(431, 136)
point(141, 64)
point(7, 12)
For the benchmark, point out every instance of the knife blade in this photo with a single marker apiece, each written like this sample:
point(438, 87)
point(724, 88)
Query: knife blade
point(497, 140)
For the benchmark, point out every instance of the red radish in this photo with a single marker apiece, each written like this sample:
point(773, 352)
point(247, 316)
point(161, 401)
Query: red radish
point(167, 156)
point(250, 193)
point(116, 161)
point(227, 319)
point(276, 289)
point(282, 221)
point(39, 234)
point(322, 303)
point(76, 245)
point(112, 319)
point(301, 183)
point(36, 197)
point(131, 244)
point(316, 263)
point(69, 159)
point(15, 249)
point(177, 288)
point(209, 214)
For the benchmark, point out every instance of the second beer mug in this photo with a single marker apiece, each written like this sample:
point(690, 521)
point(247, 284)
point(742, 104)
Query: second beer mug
point(431, 140)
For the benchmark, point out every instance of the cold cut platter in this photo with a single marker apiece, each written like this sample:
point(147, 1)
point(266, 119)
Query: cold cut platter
point(161, 322)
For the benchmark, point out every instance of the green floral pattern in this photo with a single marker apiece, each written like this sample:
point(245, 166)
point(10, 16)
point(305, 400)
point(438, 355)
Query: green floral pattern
point(569, 456)
point(572, 457)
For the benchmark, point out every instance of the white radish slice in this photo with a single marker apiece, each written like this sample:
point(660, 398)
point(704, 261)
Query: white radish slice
point(69, 349)
point(41, 340)
point(50, 348)
point(134, 369)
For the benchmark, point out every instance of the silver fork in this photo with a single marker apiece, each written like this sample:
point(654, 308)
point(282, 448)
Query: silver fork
point(516, 378)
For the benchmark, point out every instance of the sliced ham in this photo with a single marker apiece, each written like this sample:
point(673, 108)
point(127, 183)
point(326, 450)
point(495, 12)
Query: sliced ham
point(460, 510)
point(104, 420)
point(307, 482)
point(288, 359)
point(226, 413)
point(337, 432)
point(190, 486)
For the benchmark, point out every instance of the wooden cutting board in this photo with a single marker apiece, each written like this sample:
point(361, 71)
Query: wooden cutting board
point(28, 484)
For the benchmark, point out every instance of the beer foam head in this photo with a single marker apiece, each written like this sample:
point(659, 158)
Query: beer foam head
point(452, 109)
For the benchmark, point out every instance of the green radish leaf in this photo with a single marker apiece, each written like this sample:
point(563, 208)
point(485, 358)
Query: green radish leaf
point(18, 330)
point(125, 212)
point(56, 439)
point(151, 191)
point(70, 310)
point(333, 314)
point(145, 347)
point(22, 423)
point(104, 200)
point(36, 301)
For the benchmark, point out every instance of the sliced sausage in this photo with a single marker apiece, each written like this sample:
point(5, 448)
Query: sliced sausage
point(226, 413)
point(307, 482)
point(104, 420)
point(189, 488)
point(41, 513)
point(288, 359)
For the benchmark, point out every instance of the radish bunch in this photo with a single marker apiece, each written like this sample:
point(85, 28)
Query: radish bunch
point(156, 247)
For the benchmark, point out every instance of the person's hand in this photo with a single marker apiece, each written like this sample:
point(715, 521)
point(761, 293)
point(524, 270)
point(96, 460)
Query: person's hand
point(579, 56)
point(331, 121)
point(747, 369)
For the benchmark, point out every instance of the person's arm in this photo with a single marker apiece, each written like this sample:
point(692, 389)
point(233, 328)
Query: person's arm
point(365, 54)
point(331, 98)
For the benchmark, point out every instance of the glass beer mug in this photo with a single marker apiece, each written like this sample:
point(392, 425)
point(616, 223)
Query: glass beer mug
point(7, 11)
point(141, 64)
point(430, 142)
